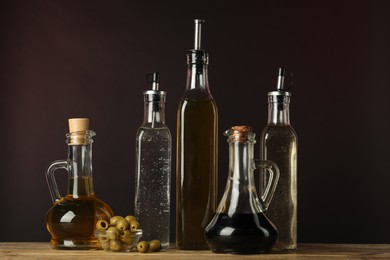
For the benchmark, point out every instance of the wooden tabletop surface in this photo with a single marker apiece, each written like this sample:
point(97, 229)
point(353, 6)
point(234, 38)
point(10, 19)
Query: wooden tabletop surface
point(42, 250)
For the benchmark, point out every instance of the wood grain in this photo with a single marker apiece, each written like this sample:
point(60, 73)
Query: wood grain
point(41, 250)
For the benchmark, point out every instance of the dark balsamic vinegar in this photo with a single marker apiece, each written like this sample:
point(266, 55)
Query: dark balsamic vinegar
point(241, 233)
point(239, 225)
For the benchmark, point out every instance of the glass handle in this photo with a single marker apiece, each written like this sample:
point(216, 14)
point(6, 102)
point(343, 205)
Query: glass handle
point(51, 181)
point(273, 171)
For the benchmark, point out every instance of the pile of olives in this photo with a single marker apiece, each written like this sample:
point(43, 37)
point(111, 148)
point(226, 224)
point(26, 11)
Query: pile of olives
point(122, 233)
point(153, 246)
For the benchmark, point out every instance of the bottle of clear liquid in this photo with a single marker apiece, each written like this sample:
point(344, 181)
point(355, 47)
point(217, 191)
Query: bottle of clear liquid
point(197, 127)
point(72, 219)
point(279, 144)
point(153, 168)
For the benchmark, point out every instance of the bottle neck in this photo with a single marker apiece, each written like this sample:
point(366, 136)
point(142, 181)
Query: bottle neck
point(80, 170)
point(241, 156)
point(154, 113)
point(197, 75)
point(278, 111)
point(240, 194)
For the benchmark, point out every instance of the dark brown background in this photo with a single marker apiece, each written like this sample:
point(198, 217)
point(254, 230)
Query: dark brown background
point(62, 59)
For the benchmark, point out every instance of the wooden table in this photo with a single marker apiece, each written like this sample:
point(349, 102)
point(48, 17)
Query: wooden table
point(40, 250)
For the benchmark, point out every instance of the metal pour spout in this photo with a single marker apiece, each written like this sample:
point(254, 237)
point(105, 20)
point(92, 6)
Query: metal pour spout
point(198, 27)
point(154, 79)
point(280, 83)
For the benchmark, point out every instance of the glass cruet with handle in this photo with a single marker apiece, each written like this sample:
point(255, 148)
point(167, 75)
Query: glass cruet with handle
point(239, 224)
point(71, 220)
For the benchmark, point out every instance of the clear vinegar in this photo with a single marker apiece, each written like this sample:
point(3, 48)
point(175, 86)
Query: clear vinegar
point(152, 201)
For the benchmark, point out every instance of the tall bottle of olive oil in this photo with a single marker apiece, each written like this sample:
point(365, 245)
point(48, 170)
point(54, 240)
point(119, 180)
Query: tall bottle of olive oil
point(197, 127)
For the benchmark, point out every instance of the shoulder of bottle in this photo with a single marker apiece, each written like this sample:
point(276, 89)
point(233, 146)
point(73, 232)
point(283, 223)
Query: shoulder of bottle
point(149, 128)
point(279, 128)
point(198, 101)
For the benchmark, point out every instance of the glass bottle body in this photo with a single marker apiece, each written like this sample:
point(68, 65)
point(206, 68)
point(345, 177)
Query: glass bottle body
point(153, 174)
point(279, 144)
point(246, 233)
point(71, 221)
point(196, 183)
point(239, 225)
point(152, 202)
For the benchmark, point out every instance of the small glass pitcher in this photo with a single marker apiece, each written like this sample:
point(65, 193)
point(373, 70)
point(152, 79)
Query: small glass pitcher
point(239, 225)
point(71, 221)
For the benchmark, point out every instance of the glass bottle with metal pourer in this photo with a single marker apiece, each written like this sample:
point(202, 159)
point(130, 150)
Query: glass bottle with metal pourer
point(239, 225)
point(153, 167)
point(279, 144)
point(197, 127)
point(72, 219)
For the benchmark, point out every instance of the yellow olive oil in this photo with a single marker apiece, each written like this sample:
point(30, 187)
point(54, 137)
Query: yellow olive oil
point(71, 221)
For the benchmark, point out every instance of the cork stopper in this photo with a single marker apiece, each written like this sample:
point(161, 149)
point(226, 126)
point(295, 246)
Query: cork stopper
point(79, 133)
point(78, 124)
point(240, 133)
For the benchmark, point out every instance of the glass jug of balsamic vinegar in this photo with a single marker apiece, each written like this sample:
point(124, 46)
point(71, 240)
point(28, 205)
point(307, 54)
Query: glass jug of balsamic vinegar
point(72, 219)
point(239, 225)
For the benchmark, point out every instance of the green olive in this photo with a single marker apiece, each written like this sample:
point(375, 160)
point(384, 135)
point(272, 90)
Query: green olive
point(116, 245)
point(127, 240)
point(114, 220)
point(155, 245)
point(130, 218)
point(134, 225)
point(126, 237)
point(101, 224)
point(122, 224)
point(126, 233)
point(143, 247)
point(112, 233)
